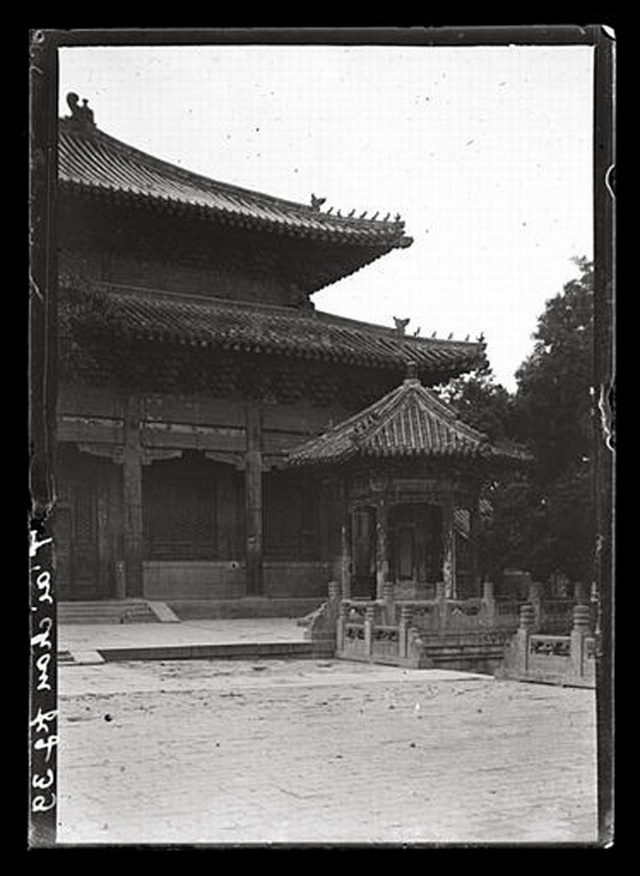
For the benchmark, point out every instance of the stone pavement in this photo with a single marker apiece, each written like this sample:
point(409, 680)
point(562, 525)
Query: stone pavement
point(90, 643)
point(309, 751)
point(192, 632)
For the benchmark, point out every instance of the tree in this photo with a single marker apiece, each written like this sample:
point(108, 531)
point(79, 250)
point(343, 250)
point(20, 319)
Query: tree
point(503, 531)
point(482, 403)
point(542, 518)
point(553, 403)
point(553, 415)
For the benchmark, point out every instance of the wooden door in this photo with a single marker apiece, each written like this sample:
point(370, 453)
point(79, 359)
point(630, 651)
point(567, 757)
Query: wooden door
point(416, 544)
point(364, 552)
point(81, 534)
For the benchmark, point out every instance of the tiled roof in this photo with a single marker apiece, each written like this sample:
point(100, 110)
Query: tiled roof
point(410, 421)
point(91, 162)
point(248, 327)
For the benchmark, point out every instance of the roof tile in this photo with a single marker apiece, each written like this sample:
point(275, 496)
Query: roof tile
point(223, 324)
point(91, 161)
point(410, 421)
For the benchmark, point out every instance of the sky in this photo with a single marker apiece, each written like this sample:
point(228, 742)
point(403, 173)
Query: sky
point(486, 152)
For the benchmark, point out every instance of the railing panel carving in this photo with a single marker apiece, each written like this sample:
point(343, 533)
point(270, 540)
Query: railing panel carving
point(550, 646)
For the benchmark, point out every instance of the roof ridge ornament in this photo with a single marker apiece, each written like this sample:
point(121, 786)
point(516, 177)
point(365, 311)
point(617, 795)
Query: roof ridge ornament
point(81, 115)
point(412, 372)
point(401, 324)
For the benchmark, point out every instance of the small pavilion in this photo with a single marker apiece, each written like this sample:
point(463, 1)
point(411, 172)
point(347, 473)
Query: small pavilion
point(410, 473)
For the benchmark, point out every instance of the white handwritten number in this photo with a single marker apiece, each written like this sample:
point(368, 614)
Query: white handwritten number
point(48, 744)
point(44, 583)
point(35, 544)
point(42, 639)
point(42, 720)
point(39, 804)
point(43, 782)
point(42, 664)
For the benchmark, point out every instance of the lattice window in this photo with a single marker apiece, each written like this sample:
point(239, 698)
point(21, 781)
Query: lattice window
point(180, 514)
point(291, 519)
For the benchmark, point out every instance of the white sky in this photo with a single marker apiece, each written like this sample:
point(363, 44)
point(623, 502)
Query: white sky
point(485, 152)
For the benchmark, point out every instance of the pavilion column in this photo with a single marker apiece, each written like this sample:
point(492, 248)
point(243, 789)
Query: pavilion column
point(345, 557)
point(253, 501)
point(132, 495)
point(474, 520)
point(449, 548)
point(382, 559)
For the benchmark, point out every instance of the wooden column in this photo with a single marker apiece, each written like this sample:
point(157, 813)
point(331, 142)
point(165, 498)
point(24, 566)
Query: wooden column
point(345, 564)
point(382, 561)
point(253, 500)
point(474, 517)
point(132, 494)
point(449, 548)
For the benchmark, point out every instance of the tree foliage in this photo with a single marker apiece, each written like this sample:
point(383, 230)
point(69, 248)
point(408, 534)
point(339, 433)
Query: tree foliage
point(482, 403)
point(553, 403)
point(542, 520)
point(553, 410)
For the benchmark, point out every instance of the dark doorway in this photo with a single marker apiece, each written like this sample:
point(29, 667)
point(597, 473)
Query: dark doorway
point(88, 525)
point(364, 553)
point(416, 543)
point(80, 531)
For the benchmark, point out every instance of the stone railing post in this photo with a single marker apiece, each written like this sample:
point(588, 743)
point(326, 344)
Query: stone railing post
point(579, 633)
point(388, 599)
point(442, 608)
point(535, 601)
point(488, 603)
point(343, 611)
point(525, 628)
point(369, 621)
point(580, 593)
point(406, 616)
point(335, 591)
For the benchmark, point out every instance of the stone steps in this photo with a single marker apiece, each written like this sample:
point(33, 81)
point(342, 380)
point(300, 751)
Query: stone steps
point(215, 651)
point(124, 611)
point(150, 611)
point(220, 609)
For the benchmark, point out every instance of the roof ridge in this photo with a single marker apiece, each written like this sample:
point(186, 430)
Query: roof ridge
point(452, 416)
point(412, 391)
point(394, 333)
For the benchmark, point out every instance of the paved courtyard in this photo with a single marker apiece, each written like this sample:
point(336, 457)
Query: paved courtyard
point(309, 751)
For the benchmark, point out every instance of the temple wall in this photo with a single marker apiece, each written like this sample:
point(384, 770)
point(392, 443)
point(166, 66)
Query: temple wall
point(224, 580)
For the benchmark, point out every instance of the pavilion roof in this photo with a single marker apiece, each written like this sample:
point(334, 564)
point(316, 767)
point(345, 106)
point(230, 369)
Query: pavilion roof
point(411, 422)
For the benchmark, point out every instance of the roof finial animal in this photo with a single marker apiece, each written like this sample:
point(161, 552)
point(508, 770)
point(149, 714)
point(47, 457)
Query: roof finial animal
point(417, 332)
point(450, 336)
point(375, 215)
point(362, 215)
point(316, 203)
point(83, 115)
point(349, 215)
point(433, 335)
point(401, 324)
point(481, 338)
